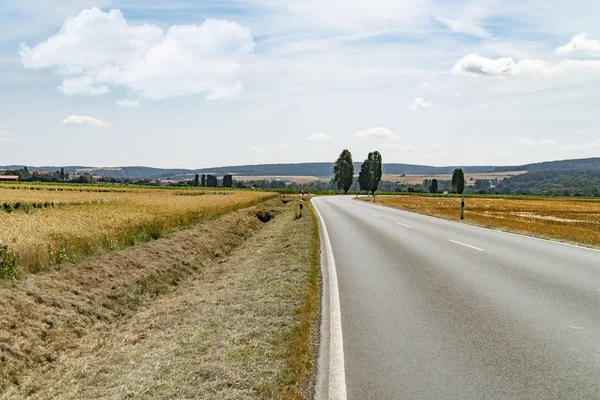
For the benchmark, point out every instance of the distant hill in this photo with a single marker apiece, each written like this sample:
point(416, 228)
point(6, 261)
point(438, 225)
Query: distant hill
point(553, 183)
point(323, 169)
point(582, 164)
point(318, 169)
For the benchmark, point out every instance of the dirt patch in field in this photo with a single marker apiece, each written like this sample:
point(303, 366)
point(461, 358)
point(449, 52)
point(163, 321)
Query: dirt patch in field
point(288, 178)
point(45, 316)
point(417, 179)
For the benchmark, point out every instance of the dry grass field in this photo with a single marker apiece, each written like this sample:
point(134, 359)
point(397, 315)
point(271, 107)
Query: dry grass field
point(46, 225)
point(569, 220)
point(418, 179)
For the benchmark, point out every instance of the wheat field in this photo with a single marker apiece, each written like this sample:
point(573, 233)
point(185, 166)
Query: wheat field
point(46, 225)
point(570, 220)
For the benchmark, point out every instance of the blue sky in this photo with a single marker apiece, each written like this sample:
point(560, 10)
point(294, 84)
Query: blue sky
point(206, 83)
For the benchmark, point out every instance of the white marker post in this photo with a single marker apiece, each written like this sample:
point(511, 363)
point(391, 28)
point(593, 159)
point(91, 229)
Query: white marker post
point(462, 208)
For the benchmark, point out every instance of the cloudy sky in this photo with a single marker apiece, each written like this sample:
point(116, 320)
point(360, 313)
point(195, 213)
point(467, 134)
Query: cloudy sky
point(173, 83)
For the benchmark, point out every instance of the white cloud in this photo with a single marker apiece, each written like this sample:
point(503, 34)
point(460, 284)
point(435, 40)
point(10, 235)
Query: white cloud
point(253, 149)
point(82, 85)
point(438, 145)
point(78, 120)
point(473, 64)
point(530, 142)
point(461, 27)
point(3, 132)
point(377, 133)
point(580, 44)
point(351, 16)
point(320, 137)
point(96, 50)
point(419, 103)
point(128, 103)
point(586, 146)
point(456, 94)
point(402, 147)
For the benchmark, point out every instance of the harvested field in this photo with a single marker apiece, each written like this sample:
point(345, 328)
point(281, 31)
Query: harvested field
point(223, 310)
point(46, 225)
point(418, 179)
point(289, 178)
point(569, 220)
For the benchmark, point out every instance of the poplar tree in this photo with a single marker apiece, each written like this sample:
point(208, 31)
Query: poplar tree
point(343, 171)
point(458, 181)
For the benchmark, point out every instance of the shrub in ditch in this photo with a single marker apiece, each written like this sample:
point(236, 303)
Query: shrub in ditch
point(8, 264)
point(265, 215)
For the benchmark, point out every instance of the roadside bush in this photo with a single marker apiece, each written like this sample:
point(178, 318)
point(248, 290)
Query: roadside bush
point(8, 264)
point(265, 215)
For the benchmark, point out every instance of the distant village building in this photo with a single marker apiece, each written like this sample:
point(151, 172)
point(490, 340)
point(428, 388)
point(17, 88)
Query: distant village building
point(40, 172)
point(13, 178)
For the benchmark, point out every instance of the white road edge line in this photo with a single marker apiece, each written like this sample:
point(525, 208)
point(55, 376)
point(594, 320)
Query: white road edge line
point(404, 225)
point(375, 215)
point(337, 372)
point(466, 245)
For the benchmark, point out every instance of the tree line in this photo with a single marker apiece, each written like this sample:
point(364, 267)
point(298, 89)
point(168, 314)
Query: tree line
point(369, 177)
point(212, 181)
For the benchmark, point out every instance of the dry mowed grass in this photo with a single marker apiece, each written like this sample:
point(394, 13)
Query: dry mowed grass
point(226, 309)
point(54, 224)
point(571, 220)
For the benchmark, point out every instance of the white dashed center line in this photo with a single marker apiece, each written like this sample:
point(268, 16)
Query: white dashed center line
point(575, 327)
point(404, 225)
point(466, 245)
point(375, 215)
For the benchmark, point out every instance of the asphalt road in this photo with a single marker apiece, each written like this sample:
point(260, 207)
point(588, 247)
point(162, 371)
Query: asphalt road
point(433, 309)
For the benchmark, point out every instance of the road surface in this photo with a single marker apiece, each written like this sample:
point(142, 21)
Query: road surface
point(433, 309)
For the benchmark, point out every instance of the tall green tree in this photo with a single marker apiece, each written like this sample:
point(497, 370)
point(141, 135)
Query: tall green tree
point(370, 172)
point(433, 186)
point(212, 181)
point(62, 174)
point(376, 170)
point(458, 181)
point(203, 181)
point(227, 180)
point(364, 177)
point(196, 181)
point(343, 171)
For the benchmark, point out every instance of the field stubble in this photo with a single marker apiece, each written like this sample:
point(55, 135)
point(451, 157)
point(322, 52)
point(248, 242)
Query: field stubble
point(569, 220)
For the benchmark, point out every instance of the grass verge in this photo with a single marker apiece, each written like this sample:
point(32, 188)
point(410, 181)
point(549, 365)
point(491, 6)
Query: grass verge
point(296, 376)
